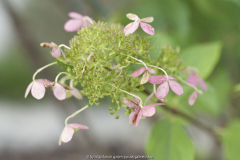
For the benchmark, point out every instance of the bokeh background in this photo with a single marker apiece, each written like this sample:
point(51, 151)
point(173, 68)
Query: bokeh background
point(30, 129)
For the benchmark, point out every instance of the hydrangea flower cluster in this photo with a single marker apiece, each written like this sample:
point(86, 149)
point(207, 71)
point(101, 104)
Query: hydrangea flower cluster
point(100, 58)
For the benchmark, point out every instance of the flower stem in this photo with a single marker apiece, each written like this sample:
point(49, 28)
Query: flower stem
point(56, 79)
point(190, 85)
point(75, 113)
point(161, 70)
point(63, 45)
point(139, 61)
point(40, 69)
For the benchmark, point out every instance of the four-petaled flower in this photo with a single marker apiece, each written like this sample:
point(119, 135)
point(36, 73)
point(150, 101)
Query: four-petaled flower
point(138, 112)
point(132, 27)
point(77, 22)
point(68, 132)
point(163, 89)
point(37, 88)
point(194, 79)
point(145, 75)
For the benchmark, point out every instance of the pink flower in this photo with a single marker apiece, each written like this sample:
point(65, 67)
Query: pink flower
point(138, 112)
point(77, 22)
point(75, 92)
point(145, 76)
point(56, 51)
point(194, 79)
point(193, 97)
point(68, 132)
point(37, 88)
point(132, 27)
point(163, 89)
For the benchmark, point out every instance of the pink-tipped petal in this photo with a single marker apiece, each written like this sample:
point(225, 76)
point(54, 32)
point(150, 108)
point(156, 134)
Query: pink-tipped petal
point(148, 98)
point(151, 70)
point(75, 15)
point(131, 27)
point(203, 84)
point(38, 90)
point(132, 16)
point(56, 52)
point(76, 93)
point(176, 87)
point(193, 79)
point(133, 116)
point(73, 25)
point(147, 28)
point(156, 79)
point(78, 126)
point(139, 116)
point(162, 90)
point(59, 92)
point(192, 98)
point(148, 111)
point(138, 72)
point(28, 89)
point(67, 134)
point(129, 102)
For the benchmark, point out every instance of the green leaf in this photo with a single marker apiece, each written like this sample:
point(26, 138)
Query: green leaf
point(202, 56)
point(231, 141)
point(169, 141)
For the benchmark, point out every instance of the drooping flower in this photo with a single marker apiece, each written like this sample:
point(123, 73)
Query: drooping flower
point(56, 51)
point(132, 27)
point(68, 132)
point(194, 79)
point(193, 97)
point(138, 112)
point(37, 88)
point(78, 21)
point(145, 77)
point(59, 90)
point(163, 89)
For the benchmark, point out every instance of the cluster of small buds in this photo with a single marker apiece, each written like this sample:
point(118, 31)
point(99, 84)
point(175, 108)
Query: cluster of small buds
point(92, 63)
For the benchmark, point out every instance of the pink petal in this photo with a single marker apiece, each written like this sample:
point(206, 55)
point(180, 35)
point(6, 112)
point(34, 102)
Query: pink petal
point(132, 16)
point(176, 87)
point(162, 90)
point(76, 93)
point(133, 116)
point(145, 78)
point(148, 111)
point(147, 28)
point(90, 55)
point(192, 98)
point(169, 77)
point(73, 25)
point(156, 79)
point(148, 98)
point(56, 52)
point(129, 102)
point(193, 79)
point(75, 15)
point(203, 84)
point(151, 70)
point(162, 99)
point(43, 81)
point(38, 90)
point(59, 92)
point(78, 126)
point(28, 89)
point(67, 134)
point(63, 54)
point(138, 72)
point(139, 116)
point(131, 27)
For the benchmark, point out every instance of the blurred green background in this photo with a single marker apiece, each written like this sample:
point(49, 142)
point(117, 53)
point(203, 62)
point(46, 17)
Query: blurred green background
point(207, 31)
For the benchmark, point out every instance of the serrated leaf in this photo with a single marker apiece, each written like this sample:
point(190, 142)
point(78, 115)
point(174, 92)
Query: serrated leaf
point(169, 141)
point(231, 141)
point(202, 56)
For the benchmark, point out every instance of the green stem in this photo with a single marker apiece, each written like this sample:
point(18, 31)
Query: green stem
point(75, 113)
point(40, 69)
